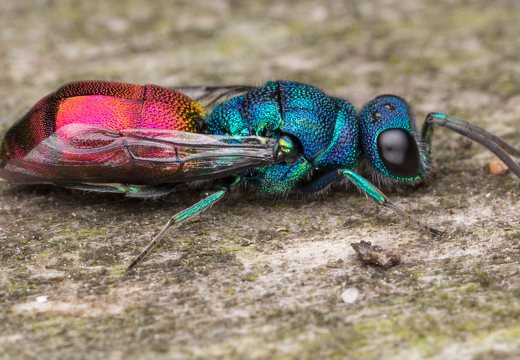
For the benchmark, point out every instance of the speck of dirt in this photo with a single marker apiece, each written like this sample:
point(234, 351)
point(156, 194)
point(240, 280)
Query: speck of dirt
point(497, 167)
point(376, 255)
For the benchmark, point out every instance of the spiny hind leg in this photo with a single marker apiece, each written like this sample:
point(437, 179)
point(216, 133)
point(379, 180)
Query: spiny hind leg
point(184, 215)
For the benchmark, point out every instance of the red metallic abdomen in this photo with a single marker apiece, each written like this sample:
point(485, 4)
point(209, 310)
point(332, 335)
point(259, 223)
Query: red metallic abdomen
point(114, 106)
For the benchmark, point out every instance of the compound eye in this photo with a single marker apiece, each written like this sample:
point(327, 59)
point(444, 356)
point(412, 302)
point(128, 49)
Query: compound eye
point(399, 152)
point(288, 150)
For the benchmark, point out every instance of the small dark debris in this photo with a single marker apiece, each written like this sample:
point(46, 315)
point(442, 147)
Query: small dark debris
point(375, 255)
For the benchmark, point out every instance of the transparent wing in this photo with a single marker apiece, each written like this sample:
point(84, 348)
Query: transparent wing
point(210, 96)
point(93, 154)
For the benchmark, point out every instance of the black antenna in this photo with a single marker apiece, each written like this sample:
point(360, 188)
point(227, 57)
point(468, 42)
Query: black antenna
point(493, 143)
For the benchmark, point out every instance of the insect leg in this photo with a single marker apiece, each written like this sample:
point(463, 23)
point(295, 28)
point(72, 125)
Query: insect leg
point(134, 191)
point(179, 218)
point(493, 143)
point(375, 194)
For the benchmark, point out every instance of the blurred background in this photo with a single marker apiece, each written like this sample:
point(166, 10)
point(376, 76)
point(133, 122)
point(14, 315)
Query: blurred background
point(438, 54)
point(271, 288)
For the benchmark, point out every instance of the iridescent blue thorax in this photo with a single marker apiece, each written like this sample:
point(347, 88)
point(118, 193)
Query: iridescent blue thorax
point(323, 128)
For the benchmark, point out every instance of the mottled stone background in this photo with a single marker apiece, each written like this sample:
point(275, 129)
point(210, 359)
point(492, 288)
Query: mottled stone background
point(263, 279)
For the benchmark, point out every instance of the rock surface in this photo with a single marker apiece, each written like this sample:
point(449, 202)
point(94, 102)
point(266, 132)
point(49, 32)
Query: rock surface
point(264, 279)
